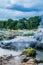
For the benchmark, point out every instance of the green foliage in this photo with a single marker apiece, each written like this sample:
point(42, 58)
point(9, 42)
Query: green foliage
point(20, 24)
point(30, 52)
point(29, 34)
point(31, 23)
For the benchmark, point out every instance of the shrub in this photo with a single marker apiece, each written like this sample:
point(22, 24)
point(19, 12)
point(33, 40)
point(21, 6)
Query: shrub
point(30, 52)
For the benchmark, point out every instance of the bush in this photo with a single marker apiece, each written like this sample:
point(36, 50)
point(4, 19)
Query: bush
point(33, 22)
point(30, 52)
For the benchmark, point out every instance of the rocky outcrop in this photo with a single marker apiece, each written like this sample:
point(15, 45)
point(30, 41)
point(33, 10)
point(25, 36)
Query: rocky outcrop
point(18, 43)
point(35, 41)
point(11, 60)
point(31, 61)
point(5, 59)
point(39, 40)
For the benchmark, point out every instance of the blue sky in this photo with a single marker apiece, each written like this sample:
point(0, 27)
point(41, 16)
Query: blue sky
point(16, 9)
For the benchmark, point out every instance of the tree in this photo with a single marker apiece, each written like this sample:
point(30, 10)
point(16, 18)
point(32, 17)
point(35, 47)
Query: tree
point(33, 22)
point(9, 23)
point(20, 24)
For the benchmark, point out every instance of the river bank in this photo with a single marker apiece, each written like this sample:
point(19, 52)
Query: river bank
point(10, 34)
point(19, 60)
point(19, 43)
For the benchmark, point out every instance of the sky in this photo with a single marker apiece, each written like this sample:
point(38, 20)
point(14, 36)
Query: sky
point(17, 9)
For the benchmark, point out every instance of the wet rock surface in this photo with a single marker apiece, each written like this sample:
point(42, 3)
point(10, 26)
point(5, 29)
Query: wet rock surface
point(35, 41)
point(15, 60)
point(4, 60)
point(32, 61)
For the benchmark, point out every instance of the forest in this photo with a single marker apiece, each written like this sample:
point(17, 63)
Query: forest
point(30, 23)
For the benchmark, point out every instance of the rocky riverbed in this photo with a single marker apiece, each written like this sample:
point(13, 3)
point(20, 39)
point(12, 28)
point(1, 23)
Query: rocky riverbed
point(18, 60)
point(20, 43)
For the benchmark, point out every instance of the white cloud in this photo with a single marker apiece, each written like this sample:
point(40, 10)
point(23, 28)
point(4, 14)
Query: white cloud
point(7, 13)
point(31, 3)
point(16, 2)
point(13, 1)
point(17, 14)
point(27, 3)
point(4, 3)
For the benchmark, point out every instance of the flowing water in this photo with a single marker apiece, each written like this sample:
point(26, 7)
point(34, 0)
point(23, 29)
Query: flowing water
point(9, 52)
point(22, 42)
point(17, 53)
